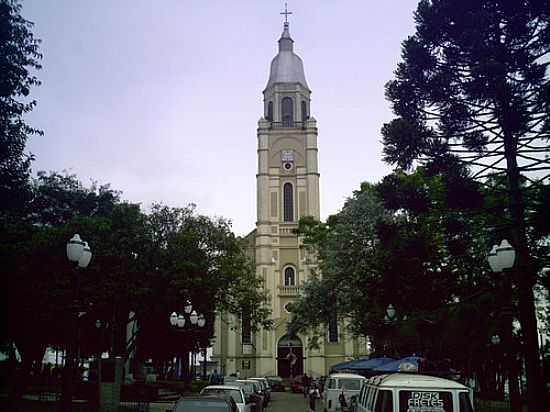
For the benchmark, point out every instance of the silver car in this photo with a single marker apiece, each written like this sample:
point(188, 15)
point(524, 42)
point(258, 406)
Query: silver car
point(236, 392)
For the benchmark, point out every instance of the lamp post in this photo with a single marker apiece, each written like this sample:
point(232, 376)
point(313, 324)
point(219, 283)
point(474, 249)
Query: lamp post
point(187, 322)
point(80, 254)
point(497, 374)
point(501, 258)
point(100, 326)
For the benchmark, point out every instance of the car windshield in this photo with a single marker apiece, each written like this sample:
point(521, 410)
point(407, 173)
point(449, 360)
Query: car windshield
point(349, 384)
point(234, 393)
point(202, 405)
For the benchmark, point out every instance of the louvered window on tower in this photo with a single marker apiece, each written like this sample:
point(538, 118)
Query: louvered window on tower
point(333, 330)
point(304, 111)
point(290, 277)
point(288, 202)
point(287, 111)
point(246, 327)
point(270, 111)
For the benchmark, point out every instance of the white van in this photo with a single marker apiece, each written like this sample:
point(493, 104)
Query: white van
point(404, 392)
point(348, 383)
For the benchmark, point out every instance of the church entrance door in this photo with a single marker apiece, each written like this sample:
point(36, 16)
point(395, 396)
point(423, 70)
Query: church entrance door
point(290, 357)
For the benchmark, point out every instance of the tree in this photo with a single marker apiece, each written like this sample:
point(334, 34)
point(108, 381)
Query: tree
point(473, 85)
point(142, 263)
point(19, 58)
point(37, 298)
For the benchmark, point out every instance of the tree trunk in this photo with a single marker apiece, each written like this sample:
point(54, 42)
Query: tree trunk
point(525, 279)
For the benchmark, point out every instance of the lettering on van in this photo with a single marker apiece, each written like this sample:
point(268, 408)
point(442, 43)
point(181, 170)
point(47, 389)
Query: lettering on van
point(423, 401)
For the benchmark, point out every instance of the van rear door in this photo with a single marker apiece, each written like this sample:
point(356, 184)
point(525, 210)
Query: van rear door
point(425, 401)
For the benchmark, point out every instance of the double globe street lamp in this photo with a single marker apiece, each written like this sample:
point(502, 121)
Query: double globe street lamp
point(187, 322)
point(80, 254)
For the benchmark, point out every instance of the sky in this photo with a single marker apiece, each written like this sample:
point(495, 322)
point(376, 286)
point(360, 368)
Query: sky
point(161, 99)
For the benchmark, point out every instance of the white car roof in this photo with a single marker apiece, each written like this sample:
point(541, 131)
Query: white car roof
point(346, 376)
point(407, 380)
point(223, 387)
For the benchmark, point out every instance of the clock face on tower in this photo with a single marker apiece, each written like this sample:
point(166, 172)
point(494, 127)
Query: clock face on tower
point(287, 156)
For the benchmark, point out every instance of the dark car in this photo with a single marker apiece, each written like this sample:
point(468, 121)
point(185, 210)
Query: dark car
point(206, 404)
point(276, 383)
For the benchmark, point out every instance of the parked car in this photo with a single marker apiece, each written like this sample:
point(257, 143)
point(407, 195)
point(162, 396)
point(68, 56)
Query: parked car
point(206, 404)
point(348, 384)
point(252, 389)
point(276, 383)
point(398, 391)
point(265, 387)
point(260, 389)
point(244, 402)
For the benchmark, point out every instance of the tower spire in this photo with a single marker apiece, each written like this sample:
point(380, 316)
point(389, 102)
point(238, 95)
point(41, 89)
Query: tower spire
point(286, 13)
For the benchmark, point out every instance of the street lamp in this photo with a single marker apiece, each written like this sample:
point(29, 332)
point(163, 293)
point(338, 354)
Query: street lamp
point(502, 258)
point(187, 322)
point(78, 252)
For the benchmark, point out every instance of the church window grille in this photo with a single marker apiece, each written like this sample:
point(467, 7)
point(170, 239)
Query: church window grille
point(288, 112)
point(290, 277)
point(333, 329)
point(304, 111)
point(246, 327)
point(288, 202)
point(270, 111)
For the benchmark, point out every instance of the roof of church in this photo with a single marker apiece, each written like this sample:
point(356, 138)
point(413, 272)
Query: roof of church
point(286, 67)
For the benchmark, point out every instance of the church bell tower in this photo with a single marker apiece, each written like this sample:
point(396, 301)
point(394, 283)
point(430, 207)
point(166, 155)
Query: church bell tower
point(287, 189)
point(287, 184)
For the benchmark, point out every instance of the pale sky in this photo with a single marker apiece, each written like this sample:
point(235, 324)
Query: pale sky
point(161, 98)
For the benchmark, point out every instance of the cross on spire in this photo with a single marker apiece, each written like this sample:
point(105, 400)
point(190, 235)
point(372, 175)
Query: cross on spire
point(286, 13)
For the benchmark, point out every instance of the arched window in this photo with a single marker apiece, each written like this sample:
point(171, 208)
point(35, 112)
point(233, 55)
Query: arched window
point(288, 203)
point(290, 276)
point(333, 329)
point(287, 111)
point(246, 326)
point(304, 111)
point(270, 111)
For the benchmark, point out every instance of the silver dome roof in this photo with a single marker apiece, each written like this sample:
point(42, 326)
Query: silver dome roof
point(286, 67)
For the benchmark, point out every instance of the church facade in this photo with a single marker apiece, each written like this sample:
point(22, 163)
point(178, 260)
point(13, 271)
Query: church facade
point(287, 189)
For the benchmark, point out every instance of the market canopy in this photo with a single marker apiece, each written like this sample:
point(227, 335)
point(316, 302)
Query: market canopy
point(370, 363)
point(408, 364)
point(366, 363)
point(343, 365)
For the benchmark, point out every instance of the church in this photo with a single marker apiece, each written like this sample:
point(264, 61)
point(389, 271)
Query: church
point(287, 189)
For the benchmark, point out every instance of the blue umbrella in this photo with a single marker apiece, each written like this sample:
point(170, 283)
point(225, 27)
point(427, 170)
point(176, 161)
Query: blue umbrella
point(369, 363)
point(400, 364)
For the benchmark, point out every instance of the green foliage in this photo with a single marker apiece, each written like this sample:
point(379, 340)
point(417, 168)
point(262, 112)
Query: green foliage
point(145, 263)
point(19, 58)
point(408, 242)
point(473, 89)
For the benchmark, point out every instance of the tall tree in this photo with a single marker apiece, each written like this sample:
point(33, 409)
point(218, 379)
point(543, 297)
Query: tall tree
point(19, 59)
point(474, 85)
point(198, 259)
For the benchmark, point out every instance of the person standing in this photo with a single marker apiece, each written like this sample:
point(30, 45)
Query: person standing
point(306, 382)
point(313, 395)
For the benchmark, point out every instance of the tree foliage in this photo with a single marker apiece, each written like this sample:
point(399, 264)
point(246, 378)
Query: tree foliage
point(19, 59)
point(149, 264)
point(473, 87)
point(473, 82)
